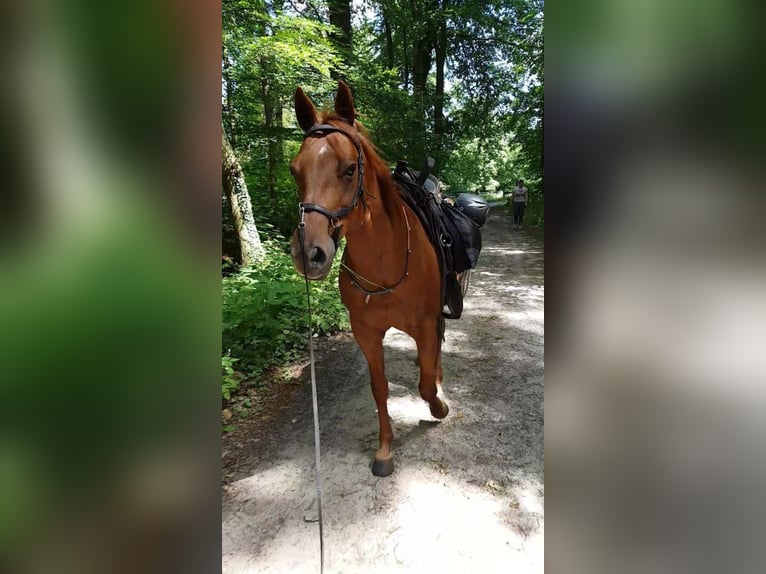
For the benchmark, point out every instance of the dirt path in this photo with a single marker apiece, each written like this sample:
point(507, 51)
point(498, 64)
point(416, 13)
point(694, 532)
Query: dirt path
point(467, 493)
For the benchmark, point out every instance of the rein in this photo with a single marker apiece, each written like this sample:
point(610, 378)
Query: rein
point(317, 462)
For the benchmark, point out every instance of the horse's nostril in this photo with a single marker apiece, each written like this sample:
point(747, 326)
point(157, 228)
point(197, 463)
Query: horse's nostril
point(317, 256)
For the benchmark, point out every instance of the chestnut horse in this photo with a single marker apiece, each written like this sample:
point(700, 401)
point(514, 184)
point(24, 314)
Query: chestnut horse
point(389, 274)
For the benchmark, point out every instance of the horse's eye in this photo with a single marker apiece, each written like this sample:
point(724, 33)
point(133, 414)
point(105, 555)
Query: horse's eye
point(349, 170)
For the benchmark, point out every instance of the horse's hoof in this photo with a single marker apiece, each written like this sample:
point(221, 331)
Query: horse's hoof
point(441, 410)
point(383, 467)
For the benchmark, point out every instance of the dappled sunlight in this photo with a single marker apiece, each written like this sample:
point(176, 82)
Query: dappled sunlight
point(467, 302)
point(286, 474)
point(453, 348)
point(454, 527)
point(530, 498)
point(529, 320)
point(408, 409)
point(527, 293)
point(456, 341)
point(505, 251)
point(438, 524)
point(455, 336)
point(397, 339)
point(256, 519)
point(466, 494)
point(518, 317)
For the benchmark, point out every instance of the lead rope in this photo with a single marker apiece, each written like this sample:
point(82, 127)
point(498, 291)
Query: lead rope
point(318, 465)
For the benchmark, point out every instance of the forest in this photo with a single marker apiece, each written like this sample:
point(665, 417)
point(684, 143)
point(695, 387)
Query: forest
point(460, 81)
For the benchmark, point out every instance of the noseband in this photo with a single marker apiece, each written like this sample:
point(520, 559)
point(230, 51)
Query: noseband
point(323, 130)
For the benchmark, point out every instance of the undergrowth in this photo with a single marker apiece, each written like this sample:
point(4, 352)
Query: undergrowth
point(264, 320)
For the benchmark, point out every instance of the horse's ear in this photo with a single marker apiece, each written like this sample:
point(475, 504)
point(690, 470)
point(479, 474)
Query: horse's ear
point(344, 103)
point(304, 110)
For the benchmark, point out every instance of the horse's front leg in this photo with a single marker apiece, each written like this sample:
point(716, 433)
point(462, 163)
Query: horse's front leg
point(370, 340)
point(429, 358)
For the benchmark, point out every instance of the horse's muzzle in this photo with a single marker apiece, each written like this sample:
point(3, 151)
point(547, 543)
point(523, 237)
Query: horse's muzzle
point(319, 253)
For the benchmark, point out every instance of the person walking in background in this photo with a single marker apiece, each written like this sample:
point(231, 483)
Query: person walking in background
point(519, 201)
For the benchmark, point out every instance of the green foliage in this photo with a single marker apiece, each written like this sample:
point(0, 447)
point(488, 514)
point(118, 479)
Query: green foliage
point(266, 54)
point(264, 313)
point(534, 216)
point(280, 211)
point(229, 378)
point(493, 100)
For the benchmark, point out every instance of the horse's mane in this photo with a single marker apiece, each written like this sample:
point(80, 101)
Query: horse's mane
point(373, 160)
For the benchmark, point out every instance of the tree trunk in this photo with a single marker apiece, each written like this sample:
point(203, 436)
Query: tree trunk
point(279, 123)
point(233, 181)
point(441, 56)
point(421, 65)
point(271, 145)
point(419, 76)
point(340, 17)
point(228, 109)
point(389, 38)
point(542, 152)
point(405, 59)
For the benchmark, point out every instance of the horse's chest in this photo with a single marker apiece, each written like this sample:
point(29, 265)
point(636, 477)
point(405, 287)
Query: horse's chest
point(402, 308)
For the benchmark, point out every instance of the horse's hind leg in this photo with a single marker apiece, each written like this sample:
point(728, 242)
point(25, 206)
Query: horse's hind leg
point(429, 354)
point(370, 340)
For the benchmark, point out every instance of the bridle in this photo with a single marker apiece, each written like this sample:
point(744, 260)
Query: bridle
point(335, 217)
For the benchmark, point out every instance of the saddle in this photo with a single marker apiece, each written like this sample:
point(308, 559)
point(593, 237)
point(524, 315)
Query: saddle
point(452, 227)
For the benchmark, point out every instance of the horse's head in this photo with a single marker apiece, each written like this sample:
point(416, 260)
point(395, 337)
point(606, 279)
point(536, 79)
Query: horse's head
point(329, 170)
